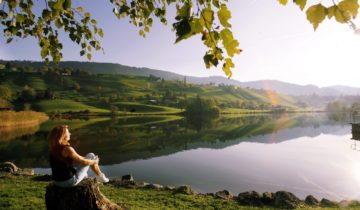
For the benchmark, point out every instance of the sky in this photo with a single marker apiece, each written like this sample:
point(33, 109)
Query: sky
point(278, 43)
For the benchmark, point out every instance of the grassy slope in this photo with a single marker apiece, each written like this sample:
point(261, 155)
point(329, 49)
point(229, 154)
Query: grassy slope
point(65, 105)
point(95, 87)
point(22, 192)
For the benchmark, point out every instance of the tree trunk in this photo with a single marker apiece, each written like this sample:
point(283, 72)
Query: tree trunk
point(85, 195)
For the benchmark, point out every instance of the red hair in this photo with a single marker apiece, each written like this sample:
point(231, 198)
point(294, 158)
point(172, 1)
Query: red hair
point(56, 136)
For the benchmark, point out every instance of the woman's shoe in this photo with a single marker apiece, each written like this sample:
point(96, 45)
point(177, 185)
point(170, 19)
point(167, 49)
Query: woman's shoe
point(102, 178)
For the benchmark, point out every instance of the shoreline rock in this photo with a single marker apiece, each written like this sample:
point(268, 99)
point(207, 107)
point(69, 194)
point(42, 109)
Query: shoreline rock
point(280, 199)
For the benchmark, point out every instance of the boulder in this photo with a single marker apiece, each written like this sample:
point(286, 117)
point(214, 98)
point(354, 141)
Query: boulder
point(184, 190)
point(127, 180)
point(224, 194)
point(8, 167)
point(250, 198)
point(311, 200)
point(286, 200)
point(268, 198)
point(328, 203)
point(86, 195)
point(154, 186)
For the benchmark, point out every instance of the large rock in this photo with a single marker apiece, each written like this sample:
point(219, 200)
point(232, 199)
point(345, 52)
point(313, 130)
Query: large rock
point(184, 190)
point(224, 194)
point(8, 167)
point(268, 198)
point(311, 200)
point(286, 200)
point(86, 195)
point(328, 203)
point(11, 168)
point(250, 198)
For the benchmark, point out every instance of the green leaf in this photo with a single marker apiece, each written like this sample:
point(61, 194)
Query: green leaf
point(185, 11)
point(230, 44)
point(316, 14)
point(82, 52)
point(101, 34)
point(224, 15)
point(207, 17)
point(196, 26)
point(9, 40)
point(331, 11)
point(227, 67)
point(300, 3)
point(89, 56)
point(58, 23)
point(283, 2)
point(349, 8)
point(87, 14)
point(20, 18)
point(339, 16)
point(80, 9)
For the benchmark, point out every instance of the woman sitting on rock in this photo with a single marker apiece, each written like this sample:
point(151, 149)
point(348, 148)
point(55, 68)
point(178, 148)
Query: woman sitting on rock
point(68, 167)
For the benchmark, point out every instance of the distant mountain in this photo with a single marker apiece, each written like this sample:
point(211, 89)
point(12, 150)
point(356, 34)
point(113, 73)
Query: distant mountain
point(274, 85)
point(297, 90)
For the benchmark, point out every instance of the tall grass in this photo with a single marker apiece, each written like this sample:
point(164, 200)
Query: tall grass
point(23, 118)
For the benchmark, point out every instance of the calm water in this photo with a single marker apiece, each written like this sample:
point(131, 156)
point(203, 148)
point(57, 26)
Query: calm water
point(304, 154)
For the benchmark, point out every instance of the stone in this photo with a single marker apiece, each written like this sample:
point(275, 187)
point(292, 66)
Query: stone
point(250, 198)
point(328, 203)
point(154, 186)
point(311, 200)
point(184, 190)
point(286, 200)
point(268, 198)
point(8, 167)
point(167, 187)
point(128, 178)
point(25, 171)
point(85, 195)
point(224, 194)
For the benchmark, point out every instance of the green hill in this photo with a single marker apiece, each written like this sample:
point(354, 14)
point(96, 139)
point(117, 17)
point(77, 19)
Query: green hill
point(63, 90)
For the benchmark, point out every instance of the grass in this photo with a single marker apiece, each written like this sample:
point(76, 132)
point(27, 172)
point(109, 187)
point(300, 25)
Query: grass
point(65, 105)
point(138, 108)
point(23, 118)
point(27, 192)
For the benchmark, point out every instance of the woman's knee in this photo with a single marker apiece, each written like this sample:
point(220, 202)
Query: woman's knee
point(90, 156)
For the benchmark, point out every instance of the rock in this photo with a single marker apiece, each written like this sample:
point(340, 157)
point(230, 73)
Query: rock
point(184, 190)
point(128, 178)
point(8, 167)
point(154, 186)
point(328, 203)
point(224, 194)
point(250, 198)
point(167, 187)
point(25, 171)
point(86, 195)
point(311, 200)
point(286, 200)
point(268, 198)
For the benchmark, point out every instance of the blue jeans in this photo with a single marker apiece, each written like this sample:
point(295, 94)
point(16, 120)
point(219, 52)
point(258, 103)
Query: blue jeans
point(81, 173)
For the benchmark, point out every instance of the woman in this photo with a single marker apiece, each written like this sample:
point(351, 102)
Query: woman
point(69, 168)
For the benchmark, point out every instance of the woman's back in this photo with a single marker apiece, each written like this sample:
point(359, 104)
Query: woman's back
point(61, 167)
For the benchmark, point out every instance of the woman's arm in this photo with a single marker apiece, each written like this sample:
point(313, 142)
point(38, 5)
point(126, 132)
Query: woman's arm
point(70, 152)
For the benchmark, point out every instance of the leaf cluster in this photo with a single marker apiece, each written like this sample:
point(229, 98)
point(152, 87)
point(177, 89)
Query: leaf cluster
point(210, 20)
point(19, 20)
point(343, 12)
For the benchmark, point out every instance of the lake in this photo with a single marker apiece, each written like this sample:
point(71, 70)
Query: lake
point(302, 153)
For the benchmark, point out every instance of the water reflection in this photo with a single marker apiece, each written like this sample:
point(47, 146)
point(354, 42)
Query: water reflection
point(304, 154)
point(122, 139)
